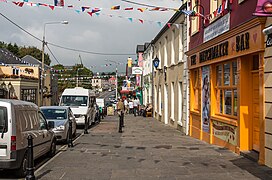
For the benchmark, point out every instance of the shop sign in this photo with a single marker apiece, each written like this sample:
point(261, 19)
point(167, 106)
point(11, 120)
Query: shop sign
point(214, 52)
point(137, 70)
point(225, 132)
point(217, 28)
point(269, 40)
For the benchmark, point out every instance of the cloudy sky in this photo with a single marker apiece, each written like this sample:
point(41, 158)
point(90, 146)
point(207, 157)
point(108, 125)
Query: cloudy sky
point(99, 33)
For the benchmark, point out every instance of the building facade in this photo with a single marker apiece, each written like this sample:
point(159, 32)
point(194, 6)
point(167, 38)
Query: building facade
point(227, 75)
point(170, 79)
point(268, 96)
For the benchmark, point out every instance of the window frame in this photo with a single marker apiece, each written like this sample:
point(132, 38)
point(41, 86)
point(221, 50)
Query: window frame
point(221, 108)
point(196, 90)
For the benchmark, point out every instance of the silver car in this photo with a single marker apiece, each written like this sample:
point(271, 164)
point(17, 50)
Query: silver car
point(58, 118)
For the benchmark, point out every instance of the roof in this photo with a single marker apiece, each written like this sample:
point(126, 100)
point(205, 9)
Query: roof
point(78, 91)
point(7, 57)
point(18, 102)
point(140, 48)
point(31, 60)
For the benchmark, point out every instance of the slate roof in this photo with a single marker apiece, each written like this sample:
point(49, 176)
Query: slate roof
point(31, 60)
point(7, 57)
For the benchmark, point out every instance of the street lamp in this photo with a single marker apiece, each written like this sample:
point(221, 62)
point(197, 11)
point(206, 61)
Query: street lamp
point(116, 85)
point(156, 63)
point(43, 44)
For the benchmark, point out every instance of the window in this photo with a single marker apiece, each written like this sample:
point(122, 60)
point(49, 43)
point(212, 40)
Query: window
point(3, 120)
point(160, 102)
point(43, 124)
point(15, 71)
point(165, 51)
point(180, 104)
point(173, 47)
point(196, 91)
point(214, 5)
point(226, 88)
point(194, 20)
point(29, 95)
point(74, 100)
point(155, 99)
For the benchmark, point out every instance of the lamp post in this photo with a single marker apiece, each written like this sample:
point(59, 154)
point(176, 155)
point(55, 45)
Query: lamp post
point(156, 63)
point(116, 85)
point(43, 44)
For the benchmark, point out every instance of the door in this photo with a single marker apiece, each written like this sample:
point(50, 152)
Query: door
point(44, 135)
point(255, 111)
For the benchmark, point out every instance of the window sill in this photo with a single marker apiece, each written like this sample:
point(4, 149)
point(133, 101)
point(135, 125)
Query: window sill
point(195, 32)
point(195, 112)
point(224, 119)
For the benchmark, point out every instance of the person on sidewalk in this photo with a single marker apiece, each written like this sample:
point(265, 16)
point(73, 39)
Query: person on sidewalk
point(130, 105)
point(120, 110)
point(126, 106)
point(136, 106)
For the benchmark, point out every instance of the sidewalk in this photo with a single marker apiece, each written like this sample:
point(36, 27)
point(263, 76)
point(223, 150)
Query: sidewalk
point(147, 149)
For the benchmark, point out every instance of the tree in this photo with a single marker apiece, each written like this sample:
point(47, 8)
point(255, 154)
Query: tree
point(58, 67)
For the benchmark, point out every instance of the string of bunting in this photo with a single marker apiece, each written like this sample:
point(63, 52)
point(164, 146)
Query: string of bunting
point(97, 11)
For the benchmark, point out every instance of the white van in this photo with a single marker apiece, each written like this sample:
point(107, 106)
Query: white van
point(18, 119)
point(82, 103)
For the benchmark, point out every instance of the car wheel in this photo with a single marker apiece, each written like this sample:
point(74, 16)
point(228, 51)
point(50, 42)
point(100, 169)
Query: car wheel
point(21, 172)
point(53, 148)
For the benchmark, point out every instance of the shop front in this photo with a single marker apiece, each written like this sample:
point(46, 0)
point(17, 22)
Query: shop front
point(226, 89)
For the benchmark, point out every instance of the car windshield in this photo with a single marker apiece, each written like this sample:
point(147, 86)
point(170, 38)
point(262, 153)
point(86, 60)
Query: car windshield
point(3, 120)
point(58, 114)
point(74, 100)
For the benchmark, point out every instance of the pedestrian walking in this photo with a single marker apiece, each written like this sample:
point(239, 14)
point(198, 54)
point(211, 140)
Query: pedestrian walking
point(120, 110)
point(130, 104)
point(136, 106)
point(126, 106)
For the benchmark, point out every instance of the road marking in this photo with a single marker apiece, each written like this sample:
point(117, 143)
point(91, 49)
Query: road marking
point(62, 175)
point(64, 147)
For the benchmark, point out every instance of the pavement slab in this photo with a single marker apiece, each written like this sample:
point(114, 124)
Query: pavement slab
point(147, 149)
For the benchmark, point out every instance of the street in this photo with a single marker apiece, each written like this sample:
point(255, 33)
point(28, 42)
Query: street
point(147, 149)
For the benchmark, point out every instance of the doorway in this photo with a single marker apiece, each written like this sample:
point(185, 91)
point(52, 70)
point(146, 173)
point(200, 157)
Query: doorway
point(255, 105)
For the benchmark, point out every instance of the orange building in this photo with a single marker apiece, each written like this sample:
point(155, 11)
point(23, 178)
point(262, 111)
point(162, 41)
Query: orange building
point(227, 79)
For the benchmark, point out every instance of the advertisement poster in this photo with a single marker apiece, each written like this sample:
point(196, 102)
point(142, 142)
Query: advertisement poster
point(263, 8)
point(225, 132)
point(206, 99)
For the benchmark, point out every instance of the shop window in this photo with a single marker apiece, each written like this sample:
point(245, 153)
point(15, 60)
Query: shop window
point(29, 95)
point(196, 91)
point(226, 92)
point(214, 5)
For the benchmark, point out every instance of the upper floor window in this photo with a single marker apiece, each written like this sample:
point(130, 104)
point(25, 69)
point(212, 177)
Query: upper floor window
point(215, 5)
point(165, 51)
point(173, 47)
point(15, 71)
point(194, 20)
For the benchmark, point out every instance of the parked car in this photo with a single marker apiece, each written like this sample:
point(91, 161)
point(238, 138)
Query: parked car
point(58, 117)
point(18, 119)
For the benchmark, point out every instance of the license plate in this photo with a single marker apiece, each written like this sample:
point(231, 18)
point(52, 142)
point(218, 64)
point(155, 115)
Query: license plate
point(3, 152)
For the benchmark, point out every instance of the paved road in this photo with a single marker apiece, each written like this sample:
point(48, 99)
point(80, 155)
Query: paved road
point(147, 149)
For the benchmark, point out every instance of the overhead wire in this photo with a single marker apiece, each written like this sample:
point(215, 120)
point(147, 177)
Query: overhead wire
point(147, 5)
point(52, 54)
point(66, 48)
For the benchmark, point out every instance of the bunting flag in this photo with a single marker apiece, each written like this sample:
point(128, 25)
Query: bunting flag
point(70, 6)
point(115, 7)
point(21, 4)
point(83, 8)
point(90, 13)
point(188, 13)
point(52, 7)
point(59, 3)
point(141, 9)
point(77, 11)
point(141, 21)
point(219, 11)
point(155, 9)
point(169, 25)
point(130, 19)
point(128, 9)
point(159, 23)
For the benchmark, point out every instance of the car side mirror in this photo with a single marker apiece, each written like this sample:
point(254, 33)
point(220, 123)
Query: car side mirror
point(51, 124)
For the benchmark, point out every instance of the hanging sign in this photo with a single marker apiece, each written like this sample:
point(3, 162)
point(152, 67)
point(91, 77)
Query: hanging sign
point(137, 70)
point(263, 8)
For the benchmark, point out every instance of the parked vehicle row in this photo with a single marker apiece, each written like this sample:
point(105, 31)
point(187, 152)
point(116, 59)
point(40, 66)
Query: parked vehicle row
point(18, 119)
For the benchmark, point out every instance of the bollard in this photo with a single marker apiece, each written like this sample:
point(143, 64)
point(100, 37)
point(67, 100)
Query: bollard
point(86, 126)
point(120, 123)
point(70, 134)
point(30, 161)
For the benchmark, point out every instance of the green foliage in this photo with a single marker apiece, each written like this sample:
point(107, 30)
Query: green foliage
point(23, 51)
point(58, 67)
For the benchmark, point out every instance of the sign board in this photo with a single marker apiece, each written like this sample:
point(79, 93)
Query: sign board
point(225, 132)
point(269, 40)
point(137, 70)
point(217, 28)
